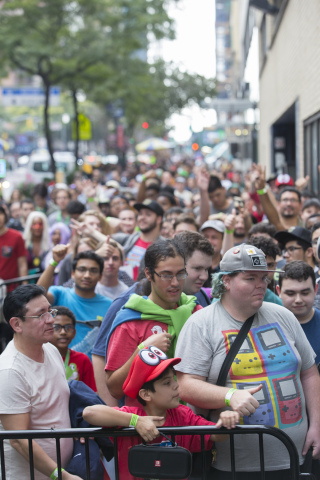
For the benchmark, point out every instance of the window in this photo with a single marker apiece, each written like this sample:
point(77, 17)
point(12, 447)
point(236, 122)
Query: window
point(312, 149)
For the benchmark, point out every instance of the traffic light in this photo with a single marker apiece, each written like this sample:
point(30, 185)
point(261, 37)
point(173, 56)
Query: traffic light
point(145, 125)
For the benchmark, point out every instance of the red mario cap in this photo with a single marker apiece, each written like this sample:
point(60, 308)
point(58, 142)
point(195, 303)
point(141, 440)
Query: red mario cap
point(284, 180)
point(148, 364)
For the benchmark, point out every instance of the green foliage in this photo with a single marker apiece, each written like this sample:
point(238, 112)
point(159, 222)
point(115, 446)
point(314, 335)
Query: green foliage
point(98, 46)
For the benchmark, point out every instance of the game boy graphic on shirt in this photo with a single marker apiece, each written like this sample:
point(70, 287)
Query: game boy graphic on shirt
point(264, 415)
point(248, 360)
point(289, 400)
point(275, 350)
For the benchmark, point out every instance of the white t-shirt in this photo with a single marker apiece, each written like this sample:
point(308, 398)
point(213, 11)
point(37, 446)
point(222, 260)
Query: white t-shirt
point(111, 292)
point(40, 389)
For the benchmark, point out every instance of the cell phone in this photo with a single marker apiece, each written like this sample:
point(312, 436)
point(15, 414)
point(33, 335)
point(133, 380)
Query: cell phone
point(238, 203)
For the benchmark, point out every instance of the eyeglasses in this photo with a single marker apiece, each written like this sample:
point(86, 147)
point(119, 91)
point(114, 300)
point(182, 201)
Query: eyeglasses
point(44, 316)
point(92, 271)
point(167, 277)
point(290, 249)
point(67, 328)
point(289, 200)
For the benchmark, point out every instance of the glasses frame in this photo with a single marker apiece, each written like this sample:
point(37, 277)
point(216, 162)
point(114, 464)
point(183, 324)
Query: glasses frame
point(165, 277)
point(290, 249)
point(63, 327)
point(53, 313)
point(88, 270)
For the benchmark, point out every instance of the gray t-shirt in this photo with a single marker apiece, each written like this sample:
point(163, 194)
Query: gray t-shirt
point(273, 354)
point(111, 292)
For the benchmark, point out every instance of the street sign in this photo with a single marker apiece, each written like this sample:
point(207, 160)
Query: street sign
point(84, 128)
point(28, 96)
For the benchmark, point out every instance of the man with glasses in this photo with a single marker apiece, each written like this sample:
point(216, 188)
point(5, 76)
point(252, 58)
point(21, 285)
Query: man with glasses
point(34, 389)
point(275, 355)
point(82, 300)
point(296, 245)
point(155, 318)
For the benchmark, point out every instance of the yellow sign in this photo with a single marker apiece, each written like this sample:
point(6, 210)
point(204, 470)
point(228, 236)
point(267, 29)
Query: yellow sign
point(84, 128)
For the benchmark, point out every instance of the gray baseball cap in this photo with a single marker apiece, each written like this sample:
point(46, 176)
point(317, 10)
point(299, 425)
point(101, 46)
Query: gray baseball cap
point(215, 224)
point(244, 257)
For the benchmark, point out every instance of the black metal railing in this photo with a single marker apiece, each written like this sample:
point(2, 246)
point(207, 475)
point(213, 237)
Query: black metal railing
point(172, 431)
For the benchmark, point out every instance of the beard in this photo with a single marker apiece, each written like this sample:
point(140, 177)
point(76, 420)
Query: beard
point(148, 228)
point(239, 233)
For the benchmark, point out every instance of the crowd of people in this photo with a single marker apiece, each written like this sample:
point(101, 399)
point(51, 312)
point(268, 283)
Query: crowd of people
point(145, 277)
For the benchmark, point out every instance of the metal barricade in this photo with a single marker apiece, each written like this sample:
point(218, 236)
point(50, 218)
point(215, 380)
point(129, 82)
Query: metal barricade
point(172, 431)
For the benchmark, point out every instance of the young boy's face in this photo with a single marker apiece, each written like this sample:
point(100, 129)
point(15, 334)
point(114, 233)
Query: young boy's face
point(166, 393)
point(63, 336)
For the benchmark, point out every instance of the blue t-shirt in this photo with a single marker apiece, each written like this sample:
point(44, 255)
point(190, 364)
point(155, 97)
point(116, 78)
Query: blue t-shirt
point(100, 345)
point(312, 331)
point(83, 308)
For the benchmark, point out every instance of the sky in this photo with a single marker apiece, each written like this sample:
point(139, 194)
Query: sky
point(194, 50)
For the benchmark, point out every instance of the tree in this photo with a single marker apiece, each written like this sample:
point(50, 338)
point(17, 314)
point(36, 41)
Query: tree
point(66, 41)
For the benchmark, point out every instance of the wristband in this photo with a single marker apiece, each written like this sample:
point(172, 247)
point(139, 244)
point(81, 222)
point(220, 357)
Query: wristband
point(134, 420)
point(229, 231)
point(262, 191)
point(54, 474)
point(141, 346)
point(143, 178)
point(53, 263)
point(229, 395)
point(90, 199)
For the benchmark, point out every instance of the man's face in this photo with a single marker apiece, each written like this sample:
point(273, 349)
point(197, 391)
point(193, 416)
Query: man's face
point(164, 202)
point(112, 263)
point(239, 228)
point(148, 220)
point(166, 230)
point(215, 238)
point(86, 275)
point(128, 221)
point(293, 251)
point(305, 214)
point(116, 205)
point(218, 197)
point(315, 237)
point(15, 210)
point(166, 293)
point(94, 222)
point(272, 265)
point(247, 289)
point(62, 200)
point(62, 338)
point(298, 297)
point(289, 205)
point(26, 209)
point(40, 201)
point(36, 330)
point(197, 268)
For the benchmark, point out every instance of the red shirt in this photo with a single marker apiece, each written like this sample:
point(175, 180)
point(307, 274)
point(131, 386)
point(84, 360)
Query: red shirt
point(82, 369)
point(12, 247)
point(176, 417)
point(125, 339)
point(135, 255)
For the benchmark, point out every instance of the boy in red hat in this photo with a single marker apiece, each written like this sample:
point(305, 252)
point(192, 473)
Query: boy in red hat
point(151, 380)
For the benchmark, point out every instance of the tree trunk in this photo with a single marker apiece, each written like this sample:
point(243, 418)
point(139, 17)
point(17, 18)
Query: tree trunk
point(76, 119)
point(47, 127)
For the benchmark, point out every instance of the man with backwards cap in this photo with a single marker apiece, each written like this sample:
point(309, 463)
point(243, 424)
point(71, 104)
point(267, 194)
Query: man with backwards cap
point(275, 354)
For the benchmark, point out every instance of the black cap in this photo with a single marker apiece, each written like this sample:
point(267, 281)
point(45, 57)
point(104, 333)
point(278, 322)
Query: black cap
point(150, 205)
point(298, 233)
